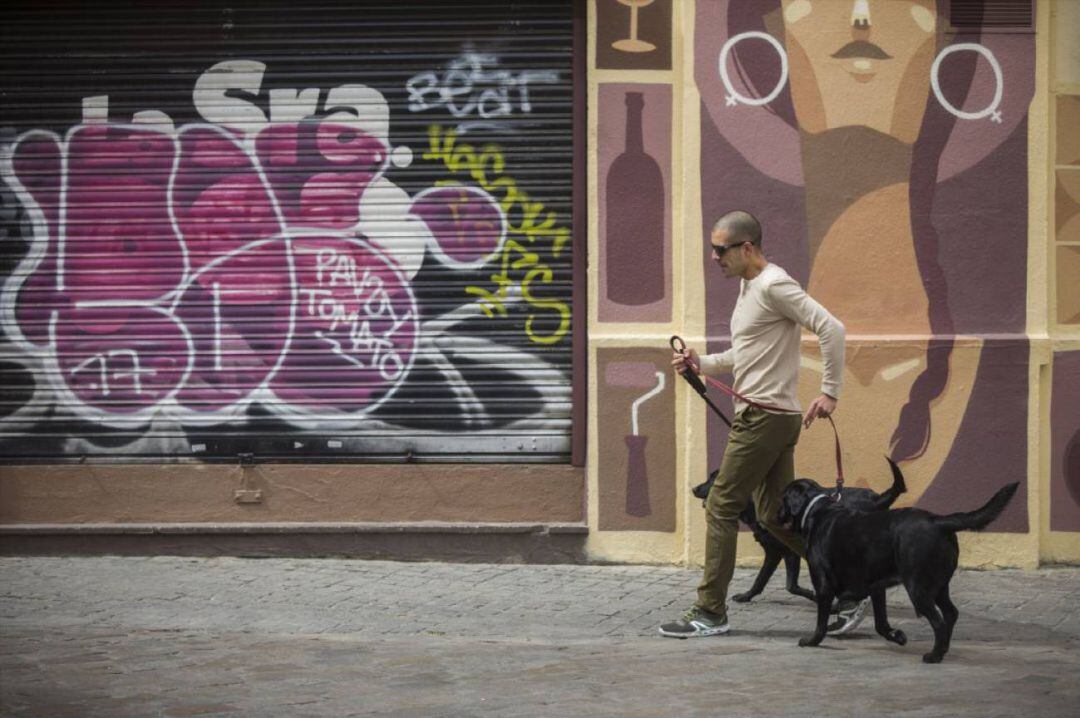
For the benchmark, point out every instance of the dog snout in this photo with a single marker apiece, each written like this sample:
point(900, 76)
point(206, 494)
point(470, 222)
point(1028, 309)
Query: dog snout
point(783, 514)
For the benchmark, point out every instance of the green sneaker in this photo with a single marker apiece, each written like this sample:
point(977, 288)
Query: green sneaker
point(696, 622)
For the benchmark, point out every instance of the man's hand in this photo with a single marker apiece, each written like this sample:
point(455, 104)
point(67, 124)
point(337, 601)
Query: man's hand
point(679, 361)
point(822, 407)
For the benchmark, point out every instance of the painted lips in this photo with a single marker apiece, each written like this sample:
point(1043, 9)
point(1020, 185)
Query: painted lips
point(861, 49)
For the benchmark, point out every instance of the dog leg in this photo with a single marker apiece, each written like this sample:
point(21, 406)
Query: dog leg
point(941, 637)
point(791, 562)
point(768, 567)
point(923, 598)
point(824, 603)
point(950, 614)
point(881, 619)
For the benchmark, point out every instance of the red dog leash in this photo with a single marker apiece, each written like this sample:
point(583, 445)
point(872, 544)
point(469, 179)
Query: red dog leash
point(679, 346)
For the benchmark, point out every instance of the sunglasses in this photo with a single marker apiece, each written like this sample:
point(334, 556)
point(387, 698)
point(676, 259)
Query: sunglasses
point(719, 250)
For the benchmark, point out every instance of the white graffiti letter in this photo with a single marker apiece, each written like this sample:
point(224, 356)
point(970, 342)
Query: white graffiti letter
point(214, 104)
point(290, 105)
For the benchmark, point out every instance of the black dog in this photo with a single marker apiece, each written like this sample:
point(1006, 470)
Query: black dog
point(775, 551)
point(855, 554)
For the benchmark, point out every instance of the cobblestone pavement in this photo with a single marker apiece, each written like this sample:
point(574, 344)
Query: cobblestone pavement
point(311, 637)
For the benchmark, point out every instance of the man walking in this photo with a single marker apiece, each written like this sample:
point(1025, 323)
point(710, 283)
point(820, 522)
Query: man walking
point(759, 461)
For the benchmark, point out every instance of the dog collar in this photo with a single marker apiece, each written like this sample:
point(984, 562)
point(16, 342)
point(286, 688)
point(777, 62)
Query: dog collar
point(806, 513)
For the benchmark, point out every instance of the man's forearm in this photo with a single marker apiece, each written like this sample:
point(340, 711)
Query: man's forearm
point(832, 340)
point(717, 364)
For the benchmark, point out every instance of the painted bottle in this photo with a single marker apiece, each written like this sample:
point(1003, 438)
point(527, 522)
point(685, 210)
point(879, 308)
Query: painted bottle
point(635, 218)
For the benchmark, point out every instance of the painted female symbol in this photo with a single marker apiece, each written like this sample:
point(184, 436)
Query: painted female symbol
point(990, 110)
point(734, 97)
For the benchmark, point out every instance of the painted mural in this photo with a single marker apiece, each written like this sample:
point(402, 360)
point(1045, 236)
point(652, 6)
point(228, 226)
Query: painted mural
point(636, 442)
point(290, 259)
point(1067, 210)
point(1065, 443)
point(885, 155)
point(634, 182)
point(633, 34)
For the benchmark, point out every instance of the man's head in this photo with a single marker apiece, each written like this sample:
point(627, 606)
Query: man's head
point(736, 244)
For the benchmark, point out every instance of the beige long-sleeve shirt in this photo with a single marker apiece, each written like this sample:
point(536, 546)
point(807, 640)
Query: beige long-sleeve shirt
point(766, 325)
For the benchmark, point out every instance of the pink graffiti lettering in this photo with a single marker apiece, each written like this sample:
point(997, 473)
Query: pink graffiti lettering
point(466, 222)
point(121, 360)
point(37, 162)
point(319, 170)
point(188, 272)
point(118, 240)
point(357, 307)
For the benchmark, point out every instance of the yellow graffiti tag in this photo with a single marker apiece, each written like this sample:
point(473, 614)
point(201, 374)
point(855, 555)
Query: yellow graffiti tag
point(520, 268)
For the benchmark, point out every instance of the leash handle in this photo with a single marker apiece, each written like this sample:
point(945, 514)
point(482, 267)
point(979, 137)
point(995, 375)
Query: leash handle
point(691, 375)
point(692, 378)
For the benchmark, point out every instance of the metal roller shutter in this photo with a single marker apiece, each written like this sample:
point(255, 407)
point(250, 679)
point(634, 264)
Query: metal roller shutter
point(338, 231)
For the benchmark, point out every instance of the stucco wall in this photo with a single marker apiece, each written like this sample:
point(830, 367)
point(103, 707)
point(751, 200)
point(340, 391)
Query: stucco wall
point(900, 170)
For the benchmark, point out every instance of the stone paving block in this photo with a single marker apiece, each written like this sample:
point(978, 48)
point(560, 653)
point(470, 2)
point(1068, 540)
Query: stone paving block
point(146, 636)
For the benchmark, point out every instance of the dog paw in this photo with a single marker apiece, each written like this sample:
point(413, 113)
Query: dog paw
point(898, 637)
point(809, 641)
point(932, 657)
point(742, 597)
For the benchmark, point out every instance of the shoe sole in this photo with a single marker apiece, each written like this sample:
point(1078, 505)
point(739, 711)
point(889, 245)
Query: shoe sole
point(700, 633)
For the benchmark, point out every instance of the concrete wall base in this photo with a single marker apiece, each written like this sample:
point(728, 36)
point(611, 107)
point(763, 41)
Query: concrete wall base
point(479, 543)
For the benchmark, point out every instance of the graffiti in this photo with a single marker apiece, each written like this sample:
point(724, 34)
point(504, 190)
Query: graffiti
point(521, 271)
point(469, 87)
point(226, 95)
point(467, 223)
point(189, 273)
point(168, 290)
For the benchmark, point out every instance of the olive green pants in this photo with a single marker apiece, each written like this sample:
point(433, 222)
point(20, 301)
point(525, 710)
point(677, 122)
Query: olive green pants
point(759, 462)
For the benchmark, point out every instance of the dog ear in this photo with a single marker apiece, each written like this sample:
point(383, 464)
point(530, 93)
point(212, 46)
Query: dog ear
point(791, 501)
point(796, 496)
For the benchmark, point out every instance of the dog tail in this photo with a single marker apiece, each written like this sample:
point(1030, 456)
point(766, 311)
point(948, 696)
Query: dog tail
point(887, 497)
point(978, 519)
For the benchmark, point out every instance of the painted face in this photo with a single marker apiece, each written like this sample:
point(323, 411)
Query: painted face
point(860, 63)
point(732, 259)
